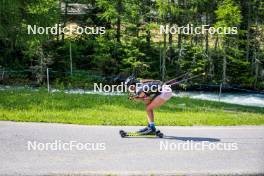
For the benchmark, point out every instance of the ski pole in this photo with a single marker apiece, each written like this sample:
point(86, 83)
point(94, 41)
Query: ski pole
point(175, 79)
point(178, 82)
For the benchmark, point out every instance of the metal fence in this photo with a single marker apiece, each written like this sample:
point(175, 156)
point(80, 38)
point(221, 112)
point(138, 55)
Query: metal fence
point(50, 78)
point(83, 79)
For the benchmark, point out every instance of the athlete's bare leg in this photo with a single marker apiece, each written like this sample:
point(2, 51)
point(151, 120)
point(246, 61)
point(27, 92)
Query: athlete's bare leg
point(157, 102)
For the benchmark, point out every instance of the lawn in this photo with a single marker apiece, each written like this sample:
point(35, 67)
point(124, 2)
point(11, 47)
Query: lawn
point(40, 106)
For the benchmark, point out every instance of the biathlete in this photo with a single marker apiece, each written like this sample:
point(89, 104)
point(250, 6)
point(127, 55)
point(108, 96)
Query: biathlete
point(153, 93)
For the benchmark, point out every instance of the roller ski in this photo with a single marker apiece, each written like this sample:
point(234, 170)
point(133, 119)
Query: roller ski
point(146, 132)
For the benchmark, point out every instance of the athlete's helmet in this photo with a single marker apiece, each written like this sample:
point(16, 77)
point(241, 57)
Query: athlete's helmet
point(131, 80)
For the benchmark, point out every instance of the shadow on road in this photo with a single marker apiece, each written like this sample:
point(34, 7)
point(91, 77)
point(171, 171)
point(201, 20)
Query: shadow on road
point(194, 139)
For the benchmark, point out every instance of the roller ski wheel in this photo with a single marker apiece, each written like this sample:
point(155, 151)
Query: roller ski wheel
point(122, 133)
point(159, 134)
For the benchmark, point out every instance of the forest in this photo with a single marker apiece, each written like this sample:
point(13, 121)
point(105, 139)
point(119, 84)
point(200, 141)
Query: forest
point(107, 39)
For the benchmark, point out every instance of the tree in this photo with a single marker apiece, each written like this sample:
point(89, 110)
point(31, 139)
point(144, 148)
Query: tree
point(228, 15)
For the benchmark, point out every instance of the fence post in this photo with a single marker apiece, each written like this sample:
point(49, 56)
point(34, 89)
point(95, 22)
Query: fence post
point(48, 80)
point(3, 73)
point(71, 57)
point(220, 92)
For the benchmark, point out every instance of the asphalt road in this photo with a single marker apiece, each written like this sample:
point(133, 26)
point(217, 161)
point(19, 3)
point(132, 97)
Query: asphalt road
point(99, 150)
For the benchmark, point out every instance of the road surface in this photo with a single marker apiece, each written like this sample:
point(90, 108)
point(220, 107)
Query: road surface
point(44, 149)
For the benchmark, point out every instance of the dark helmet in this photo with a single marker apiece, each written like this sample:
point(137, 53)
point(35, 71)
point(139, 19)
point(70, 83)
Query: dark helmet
point(131, 80)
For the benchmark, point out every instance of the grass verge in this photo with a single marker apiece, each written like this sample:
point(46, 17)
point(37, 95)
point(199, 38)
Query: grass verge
point(39, 106)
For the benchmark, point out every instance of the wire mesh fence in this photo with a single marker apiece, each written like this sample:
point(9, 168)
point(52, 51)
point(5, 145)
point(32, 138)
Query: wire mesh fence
point(51, 79)
point(54, 79)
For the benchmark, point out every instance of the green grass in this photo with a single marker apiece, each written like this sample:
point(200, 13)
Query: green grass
point(39, 106)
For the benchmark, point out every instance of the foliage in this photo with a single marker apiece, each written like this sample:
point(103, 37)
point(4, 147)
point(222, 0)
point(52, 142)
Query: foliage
point(132, 38)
